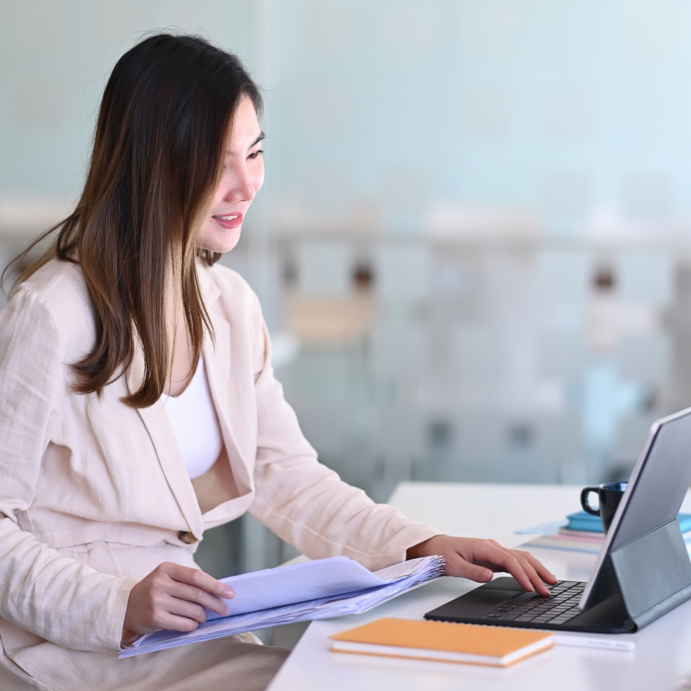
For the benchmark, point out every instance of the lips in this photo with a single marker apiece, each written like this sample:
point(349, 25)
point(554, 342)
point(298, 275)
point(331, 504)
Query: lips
point(229, 220)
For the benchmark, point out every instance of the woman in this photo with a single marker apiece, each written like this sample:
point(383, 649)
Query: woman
point(118, 347)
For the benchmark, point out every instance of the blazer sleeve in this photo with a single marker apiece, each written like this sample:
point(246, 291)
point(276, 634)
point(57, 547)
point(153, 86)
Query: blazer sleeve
point(57, 598)
point(304, 502)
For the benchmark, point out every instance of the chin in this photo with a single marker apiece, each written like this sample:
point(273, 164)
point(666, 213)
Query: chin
point(219, 242)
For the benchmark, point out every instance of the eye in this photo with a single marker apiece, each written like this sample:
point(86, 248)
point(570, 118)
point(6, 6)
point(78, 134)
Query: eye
point(256, 154)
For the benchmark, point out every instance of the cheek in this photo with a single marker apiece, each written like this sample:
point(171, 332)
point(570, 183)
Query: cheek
point(258, 177)
point(218, 195)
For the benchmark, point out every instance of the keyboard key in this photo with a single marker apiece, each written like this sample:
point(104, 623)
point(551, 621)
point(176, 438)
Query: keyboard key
point(559, 607)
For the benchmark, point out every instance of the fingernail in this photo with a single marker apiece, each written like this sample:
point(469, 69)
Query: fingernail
point(226, 611)
point(228, 593)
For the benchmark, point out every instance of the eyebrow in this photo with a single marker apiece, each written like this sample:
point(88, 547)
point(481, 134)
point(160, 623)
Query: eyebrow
point(254, 143)
point(258, 139)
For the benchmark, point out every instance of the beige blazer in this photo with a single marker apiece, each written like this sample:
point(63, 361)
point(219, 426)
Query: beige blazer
point(94, 494)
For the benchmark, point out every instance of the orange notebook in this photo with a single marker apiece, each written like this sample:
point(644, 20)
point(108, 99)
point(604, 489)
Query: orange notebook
point(442, 641)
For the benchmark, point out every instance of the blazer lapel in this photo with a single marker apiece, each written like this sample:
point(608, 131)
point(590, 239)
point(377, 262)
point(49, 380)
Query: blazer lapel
point(217, 359)
point(162, 435)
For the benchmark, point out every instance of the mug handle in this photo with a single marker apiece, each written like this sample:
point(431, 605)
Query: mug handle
point(585, 503)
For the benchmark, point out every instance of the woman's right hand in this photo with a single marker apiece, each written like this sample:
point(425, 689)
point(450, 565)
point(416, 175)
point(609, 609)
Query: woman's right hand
point(173, 597)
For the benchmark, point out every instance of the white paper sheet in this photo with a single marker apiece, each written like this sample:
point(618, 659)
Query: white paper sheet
point(388, 583)
point(286, 585)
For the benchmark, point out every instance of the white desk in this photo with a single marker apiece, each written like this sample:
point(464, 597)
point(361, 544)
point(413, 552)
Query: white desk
point(661, 661)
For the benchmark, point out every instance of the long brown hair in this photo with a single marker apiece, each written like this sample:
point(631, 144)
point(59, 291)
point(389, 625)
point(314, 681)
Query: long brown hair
point(156, 159)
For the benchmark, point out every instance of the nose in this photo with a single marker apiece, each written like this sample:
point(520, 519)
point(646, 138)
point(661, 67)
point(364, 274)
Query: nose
point(240, 186)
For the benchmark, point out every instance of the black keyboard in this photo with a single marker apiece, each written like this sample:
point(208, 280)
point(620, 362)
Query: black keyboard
point(558, 608)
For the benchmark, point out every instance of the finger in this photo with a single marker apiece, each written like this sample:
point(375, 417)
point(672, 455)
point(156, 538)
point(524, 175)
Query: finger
point(165, 613)
point(521, 565)
point(184, 608)
point(191, 593)
point(199, 579)
point(541, 569)
point(172, 622)
point(507, 561)
point(529, 570)
point(456, 565)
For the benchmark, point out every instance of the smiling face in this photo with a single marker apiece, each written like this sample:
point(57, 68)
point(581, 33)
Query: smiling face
point(241, 178)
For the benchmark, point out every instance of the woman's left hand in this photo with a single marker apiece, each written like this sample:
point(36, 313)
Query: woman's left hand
point(478, 559)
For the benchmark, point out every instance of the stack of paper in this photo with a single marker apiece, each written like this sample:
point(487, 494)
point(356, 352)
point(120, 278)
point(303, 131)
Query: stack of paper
point(317, 589)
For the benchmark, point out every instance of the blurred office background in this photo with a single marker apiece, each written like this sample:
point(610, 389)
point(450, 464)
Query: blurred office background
point(472, 247)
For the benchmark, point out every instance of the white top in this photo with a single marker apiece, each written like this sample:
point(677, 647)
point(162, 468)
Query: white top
point(193, 417)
